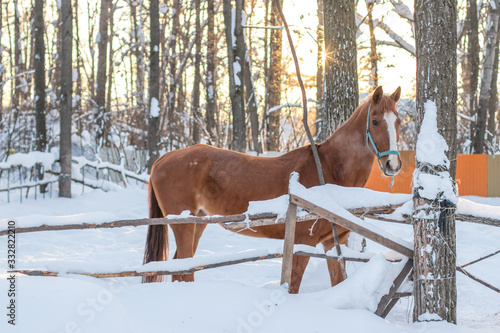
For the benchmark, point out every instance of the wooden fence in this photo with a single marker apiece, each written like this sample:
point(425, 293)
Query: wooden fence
point(476, 175)
point(250, 221)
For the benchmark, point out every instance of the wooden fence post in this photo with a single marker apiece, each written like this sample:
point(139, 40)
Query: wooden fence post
point(291, 221)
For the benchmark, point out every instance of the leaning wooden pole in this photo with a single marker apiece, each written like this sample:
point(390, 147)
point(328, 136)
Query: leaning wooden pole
point(308, 131)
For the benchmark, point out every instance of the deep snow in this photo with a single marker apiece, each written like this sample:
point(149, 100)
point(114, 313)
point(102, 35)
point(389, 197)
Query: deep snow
point(241, 298)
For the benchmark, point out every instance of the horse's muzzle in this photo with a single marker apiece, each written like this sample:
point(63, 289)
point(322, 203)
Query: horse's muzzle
point(389, 169)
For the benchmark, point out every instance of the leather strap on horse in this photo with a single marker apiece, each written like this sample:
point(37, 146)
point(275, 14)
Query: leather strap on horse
point(369, 139)
point(311, 140)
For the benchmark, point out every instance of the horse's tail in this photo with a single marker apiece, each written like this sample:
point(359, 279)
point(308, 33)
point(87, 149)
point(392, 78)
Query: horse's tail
point(156, 248)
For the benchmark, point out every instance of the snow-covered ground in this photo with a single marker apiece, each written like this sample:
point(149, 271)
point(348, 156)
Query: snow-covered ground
point(240, 298)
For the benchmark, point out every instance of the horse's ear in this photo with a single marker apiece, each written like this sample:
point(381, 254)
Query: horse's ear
point(377, 95)
point(396, 94)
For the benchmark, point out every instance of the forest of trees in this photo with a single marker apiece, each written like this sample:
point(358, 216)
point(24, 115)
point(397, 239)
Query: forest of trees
point(160, 75)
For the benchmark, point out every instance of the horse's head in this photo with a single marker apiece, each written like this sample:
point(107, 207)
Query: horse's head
point(382, 130)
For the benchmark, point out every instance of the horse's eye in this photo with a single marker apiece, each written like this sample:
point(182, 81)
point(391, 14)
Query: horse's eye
point(374, 122)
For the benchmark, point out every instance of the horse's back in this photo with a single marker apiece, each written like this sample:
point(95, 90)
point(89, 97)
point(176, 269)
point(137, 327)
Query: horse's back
point(219, 181)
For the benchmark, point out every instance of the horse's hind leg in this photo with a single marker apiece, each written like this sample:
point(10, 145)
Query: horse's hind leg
point(299, 265)
point(197, 235)
point(334, 265)
point(184, 239)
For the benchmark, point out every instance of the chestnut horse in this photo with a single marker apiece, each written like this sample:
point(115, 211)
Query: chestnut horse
point(208, 180)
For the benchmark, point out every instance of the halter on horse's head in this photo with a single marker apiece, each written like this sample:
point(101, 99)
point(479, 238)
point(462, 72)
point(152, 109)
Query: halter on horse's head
point(382, 130)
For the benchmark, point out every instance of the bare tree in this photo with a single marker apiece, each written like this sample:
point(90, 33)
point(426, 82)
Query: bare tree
point(320, 71)
point(100, 92)
point(66, 98)
point(79, 64)
point(486, 75)
point(172, 46)
point(197, 118)
point(274, 79)
point(471, 62)
point(111, 51)
point(211, 108)
point(236, 58)
point(251, 103)
point(433, 219)
point(341, 75)
point(493, 101)
point(373, 81)
point(18, 63)
point(3, 69)
point(39, 29)
point(154, 84)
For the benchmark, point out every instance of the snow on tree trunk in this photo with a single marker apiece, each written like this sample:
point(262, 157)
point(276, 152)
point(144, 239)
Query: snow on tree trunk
point(274, 80)
point(486, 75)
point(66, 98)
point(434, 190)
point(341, 75)
point(154, 84)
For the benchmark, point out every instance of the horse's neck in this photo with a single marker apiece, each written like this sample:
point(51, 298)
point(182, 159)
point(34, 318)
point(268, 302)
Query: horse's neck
point(346, 147)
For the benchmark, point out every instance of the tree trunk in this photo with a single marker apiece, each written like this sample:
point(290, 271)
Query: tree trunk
point(274, 81)
point(320, 71)
point(197, 117)
point(471, 66)
point(39, 64)
point(171, 98)
point(236, 57)
point(66, 98)
point(100, 93)
point(239, 118)
point(373, 81)
point(17, 57)
point(341, 75)
point(251, 99)
point(433, 218)
point(154, 84)
point(493, 101)
point(140, 116)
point(486, 76)
point(79, 63)
point(91, 38)
point(2, 66)
point(211, 74)
point(110, 57)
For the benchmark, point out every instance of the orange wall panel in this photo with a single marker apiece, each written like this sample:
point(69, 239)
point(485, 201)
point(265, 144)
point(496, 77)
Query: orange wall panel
point(472, 175)
point(402, 182)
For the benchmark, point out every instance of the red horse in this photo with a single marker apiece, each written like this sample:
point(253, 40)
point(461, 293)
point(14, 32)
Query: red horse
point(208, 180)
